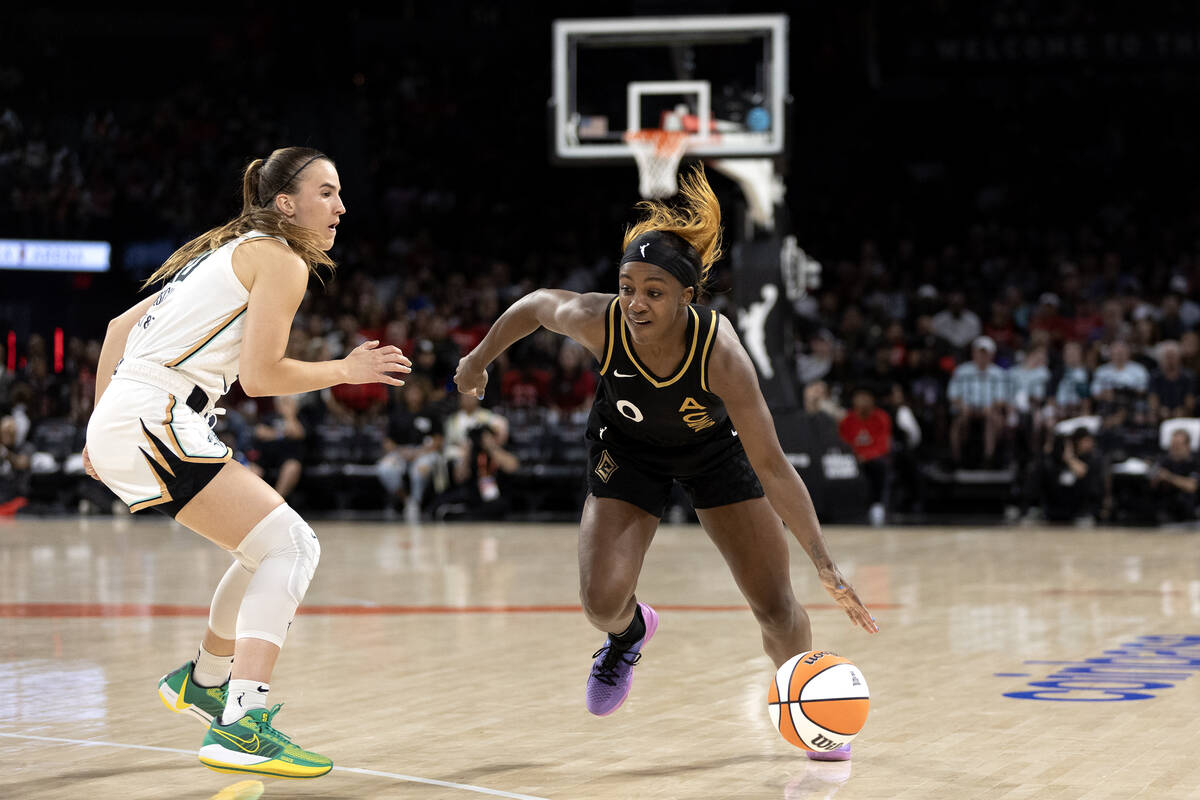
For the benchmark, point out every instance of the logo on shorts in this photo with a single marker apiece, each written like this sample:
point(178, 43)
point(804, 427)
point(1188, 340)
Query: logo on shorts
point(605, 469)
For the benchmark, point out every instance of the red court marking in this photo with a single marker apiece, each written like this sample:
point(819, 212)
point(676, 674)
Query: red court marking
point(84, 610)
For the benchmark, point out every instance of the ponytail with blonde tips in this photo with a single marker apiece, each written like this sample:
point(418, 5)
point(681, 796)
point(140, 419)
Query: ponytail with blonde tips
point(697, 220)
point(262, 181)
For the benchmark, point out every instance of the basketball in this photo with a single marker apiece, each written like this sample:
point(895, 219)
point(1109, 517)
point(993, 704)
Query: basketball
point(818, 700)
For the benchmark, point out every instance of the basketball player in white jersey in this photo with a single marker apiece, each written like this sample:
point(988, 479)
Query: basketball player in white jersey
point(678, 402)
point(225, 312)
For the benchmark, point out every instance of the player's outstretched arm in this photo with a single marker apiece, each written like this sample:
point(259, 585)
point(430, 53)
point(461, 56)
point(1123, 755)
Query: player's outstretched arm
point(576, 316)
point(732, 377)
point(278, 278)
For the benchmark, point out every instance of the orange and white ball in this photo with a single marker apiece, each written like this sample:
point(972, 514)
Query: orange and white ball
point(819, 700)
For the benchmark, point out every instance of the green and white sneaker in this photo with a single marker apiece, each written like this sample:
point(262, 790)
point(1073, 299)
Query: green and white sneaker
point(251, 745)
point(180, 693)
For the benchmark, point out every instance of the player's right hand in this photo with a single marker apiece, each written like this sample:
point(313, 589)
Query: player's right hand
point(840, 590)
point(469, 378)
point(370, 363)
point(87, 465)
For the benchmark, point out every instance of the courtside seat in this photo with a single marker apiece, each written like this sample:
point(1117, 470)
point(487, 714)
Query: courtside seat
point(55, 441)
point(335, 443)
point(553, 458)
point(1130, 474)
point(368, 444)
point(1169, 426)
point(57, 438)
point(1068, 426)
point(341, 471)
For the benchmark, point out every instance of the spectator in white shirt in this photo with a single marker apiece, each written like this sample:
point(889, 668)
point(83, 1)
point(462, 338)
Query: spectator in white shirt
point(957, 324)
point(1029, 380)
point(1120, 388)
point(1072, 394)
point(815, 364)
point(1119, 373)
point(470, 415)
point(979, 390)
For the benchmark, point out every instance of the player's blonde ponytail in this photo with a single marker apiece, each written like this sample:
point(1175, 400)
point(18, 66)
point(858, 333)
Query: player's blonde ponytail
point(697, 219)
point(262, 181)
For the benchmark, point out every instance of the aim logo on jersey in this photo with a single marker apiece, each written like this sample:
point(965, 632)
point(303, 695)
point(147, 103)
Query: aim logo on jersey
point(1131, 671)
point(699, 418)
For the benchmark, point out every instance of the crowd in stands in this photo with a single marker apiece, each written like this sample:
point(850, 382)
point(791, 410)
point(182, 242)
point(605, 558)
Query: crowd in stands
point(917, 381)
point(1032, 315)
point(1052, 384)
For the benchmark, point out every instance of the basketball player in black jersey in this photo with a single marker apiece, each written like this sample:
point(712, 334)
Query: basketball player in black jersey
point(678, 400)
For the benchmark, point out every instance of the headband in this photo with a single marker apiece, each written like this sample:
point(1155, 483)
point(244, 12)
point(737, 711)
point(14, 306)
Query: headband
point(292, 177)
point(669, 251)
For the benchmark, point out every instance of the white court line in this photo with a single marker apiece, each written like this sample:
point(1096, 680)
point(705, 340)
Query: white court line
point(433, 782)
point(466, 787)
point(93, 743)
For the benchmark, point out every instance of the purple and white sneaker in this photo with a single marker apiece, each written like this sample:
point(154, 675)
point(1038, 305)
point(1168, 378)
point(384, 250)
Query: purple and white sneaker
point(612, 671)
point(840, 754)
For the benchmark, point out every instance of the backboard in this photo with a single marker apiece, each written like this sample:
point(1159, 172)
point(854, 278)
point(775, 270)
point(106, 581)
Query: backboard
point(722, 79)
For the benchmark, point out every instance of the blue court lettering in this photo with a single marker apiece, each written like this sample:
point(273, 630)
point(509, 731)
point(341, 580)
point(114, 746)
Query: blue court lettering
point(1133, 671)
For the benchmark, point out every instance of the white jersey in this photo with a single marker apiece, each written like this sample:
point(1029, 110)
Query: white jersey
point(194, 327)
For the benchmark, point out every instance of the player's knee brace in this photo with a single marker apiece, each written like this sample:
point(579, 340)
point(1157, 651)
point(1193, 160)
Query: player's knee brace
point(227, 600)
point(283, 553)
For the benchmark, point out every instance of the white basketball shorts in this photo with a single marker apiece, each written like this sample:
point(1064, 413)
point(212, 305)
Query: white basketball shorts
point(150, 448)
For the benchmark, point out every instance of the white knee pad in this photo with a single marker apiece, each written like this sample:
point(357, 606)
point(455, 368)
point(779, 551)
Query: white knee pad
point(227, 600)
point(282, 552)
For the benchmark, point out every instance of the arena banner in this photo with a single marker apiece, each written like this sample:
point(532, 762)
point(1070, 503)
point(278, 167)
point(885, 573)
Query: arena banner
point(54, 256)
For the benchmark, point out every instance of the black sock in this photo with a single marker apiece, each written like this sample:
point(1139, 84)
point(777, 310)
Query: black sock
point(635, 631)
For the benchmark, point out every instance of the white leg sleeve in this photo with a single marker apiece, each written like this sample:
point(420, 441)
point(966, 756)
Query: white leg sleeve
point(223, 613)
point(283, 553)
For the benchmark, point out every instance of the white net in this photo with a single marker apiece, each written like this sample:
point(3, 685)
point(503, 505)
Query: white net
point(758, 180)
point(657, 154)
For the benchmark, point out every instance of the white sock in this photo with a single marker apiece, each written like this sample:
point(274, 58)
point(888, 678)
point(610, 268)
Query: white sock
point(243, 696)
point(211, 670)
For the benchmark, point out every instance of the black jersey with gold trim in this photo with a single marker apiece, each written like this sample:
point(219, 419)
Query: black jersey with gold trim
point(634, 407)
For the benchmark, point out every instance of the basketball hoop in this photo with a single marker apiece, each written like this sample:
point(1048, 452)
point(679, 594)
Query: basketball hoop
point(657, 153)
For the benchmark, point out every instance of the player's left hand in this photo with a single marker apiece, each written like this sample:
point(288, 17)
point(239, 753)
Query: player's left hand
point(840, 590)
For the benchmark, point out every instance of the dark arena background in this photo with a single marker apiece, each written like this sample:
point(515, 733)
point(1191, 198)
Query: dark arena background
point(978, 314)
point(1032, 162)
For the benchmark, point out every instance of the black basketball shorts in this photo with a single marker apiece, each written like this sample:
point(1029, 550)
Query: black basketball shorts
point(622, 475)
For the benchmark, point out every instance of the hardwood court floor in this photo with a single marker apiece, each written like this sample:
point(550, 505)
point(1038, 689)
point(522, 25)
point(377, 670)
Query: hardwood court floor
point(449, 662)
